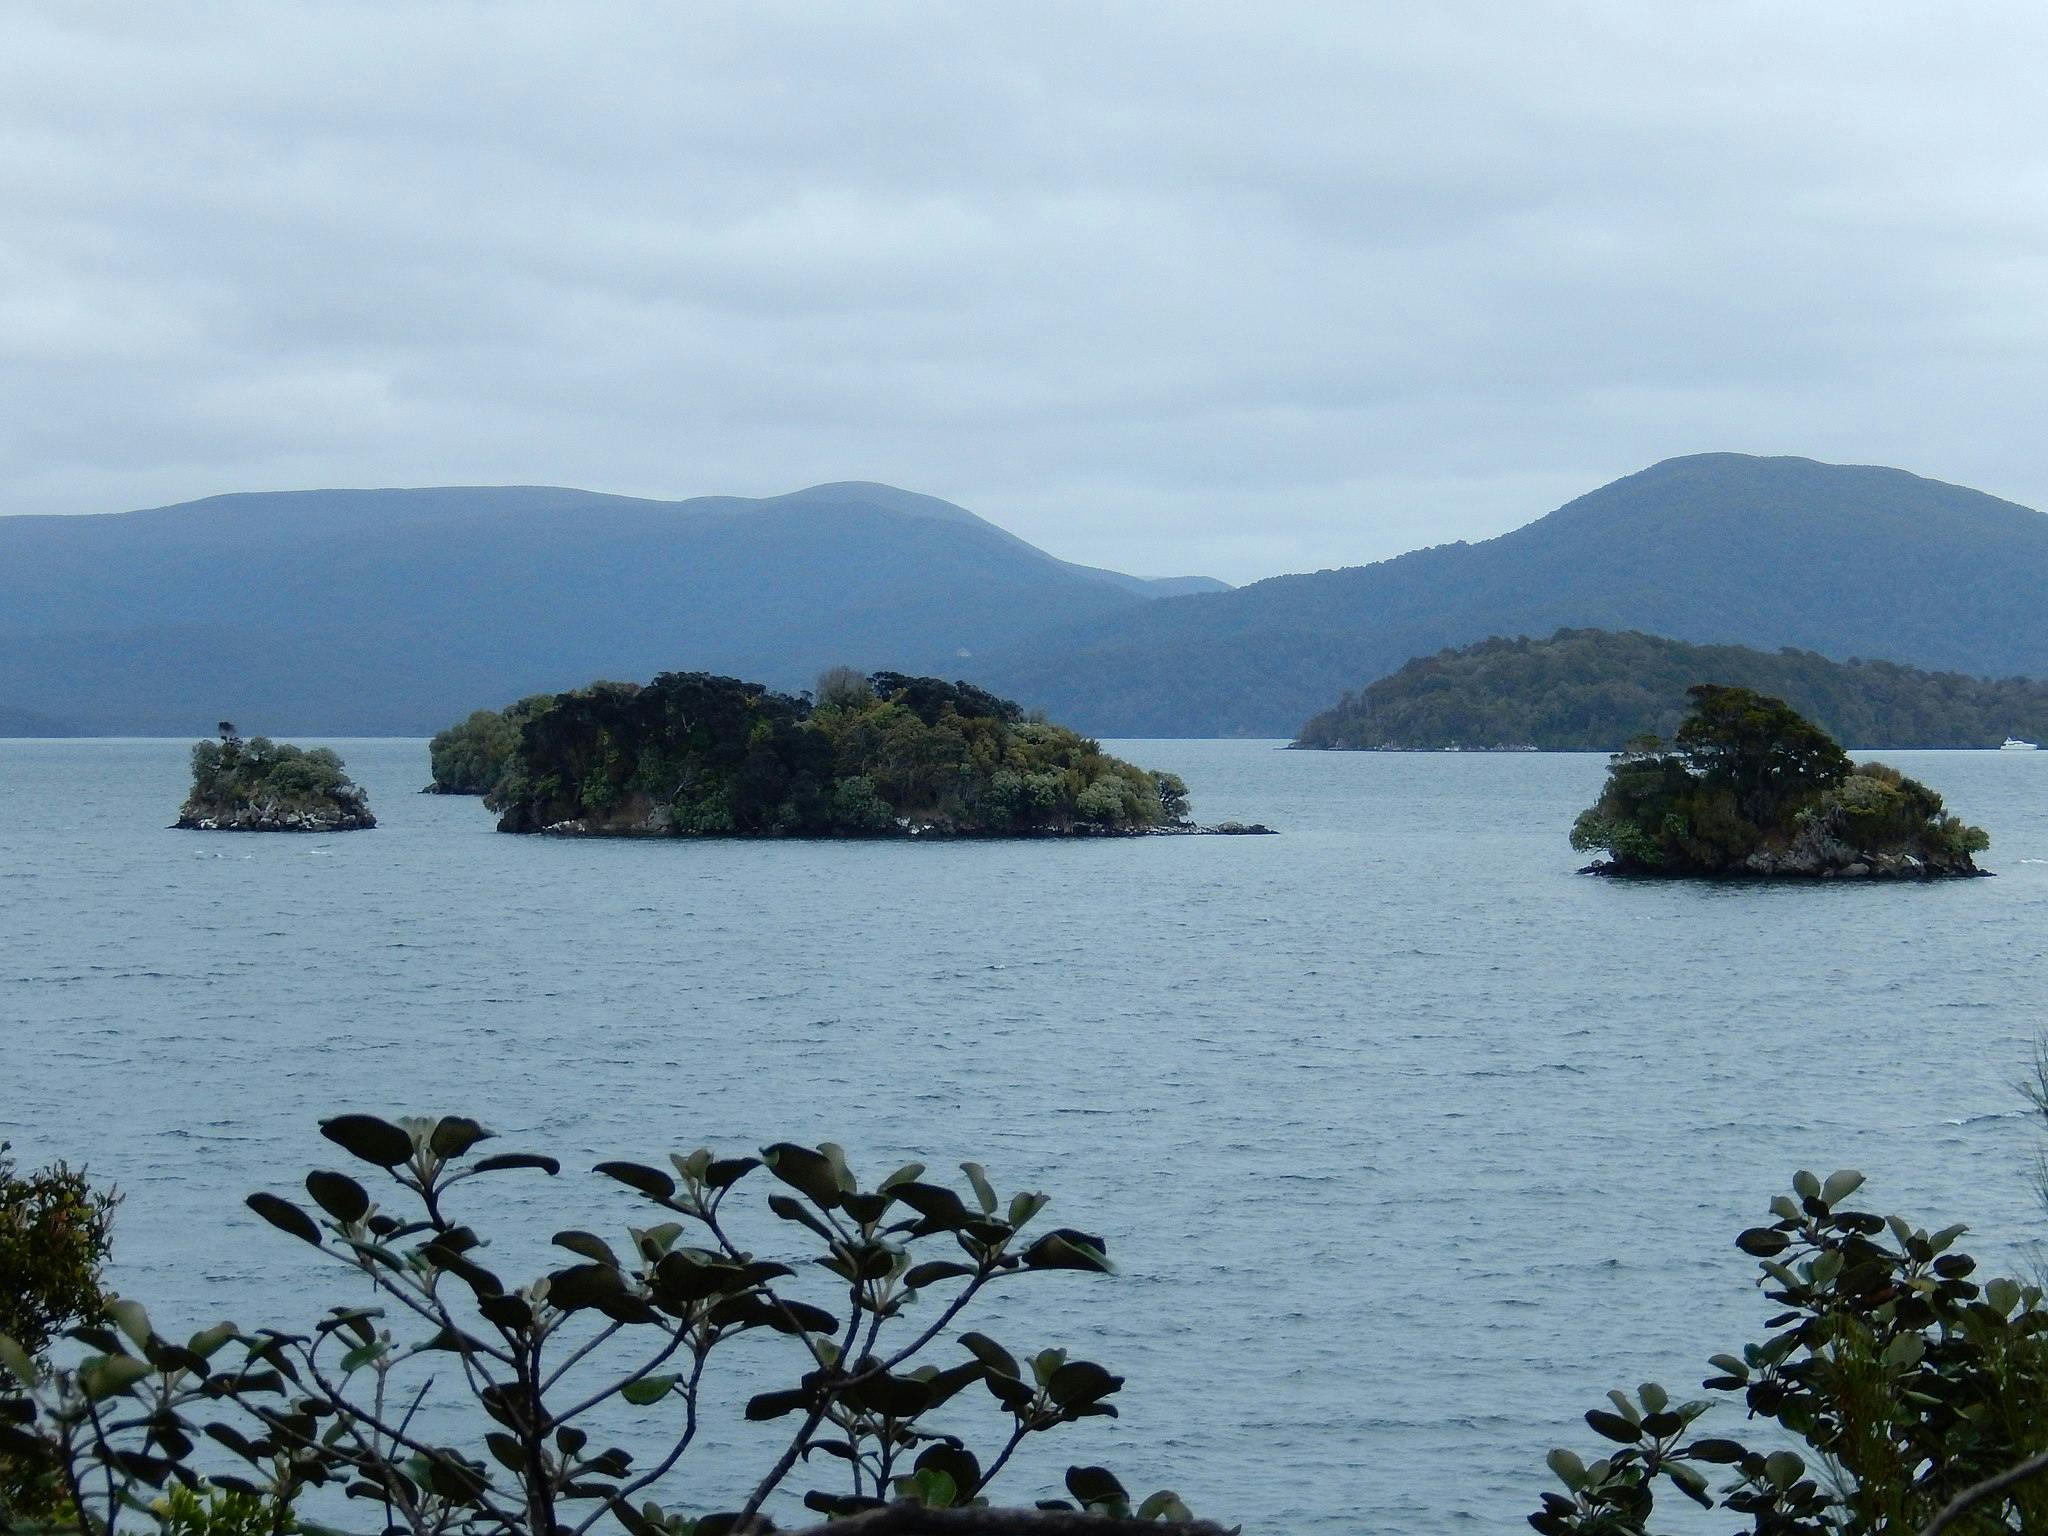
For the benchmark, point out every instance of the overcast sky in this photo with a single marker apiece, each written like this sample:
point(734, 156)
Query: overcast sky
point(1234, 289)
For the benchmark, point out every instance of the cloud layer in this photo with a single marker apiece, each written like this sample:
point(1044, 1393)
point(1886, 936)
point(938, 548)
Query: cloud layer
point(1203, 288)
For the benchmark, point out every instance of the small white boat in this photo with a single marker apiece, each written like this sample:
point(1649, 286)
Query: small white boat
point(2014, 744)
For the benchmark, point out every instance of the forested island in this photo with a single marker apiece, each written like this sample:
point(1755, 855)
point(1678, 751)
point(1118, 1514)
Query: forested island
point(694, 755)
point(469, 757)
point(1748, 787)
point(260, 785)
point(1590, 690)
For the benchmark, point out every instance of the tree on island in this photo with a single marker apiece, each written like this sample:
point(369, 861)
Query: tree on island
point(260, 785)
point(471, 757)
point(1751, 787)
point(886, 755)
point(649, 1325)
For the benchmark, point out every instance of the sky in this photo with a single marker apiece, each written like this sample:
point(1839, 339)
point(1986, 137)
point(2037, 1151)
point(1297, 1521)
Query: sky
point(1219, 289)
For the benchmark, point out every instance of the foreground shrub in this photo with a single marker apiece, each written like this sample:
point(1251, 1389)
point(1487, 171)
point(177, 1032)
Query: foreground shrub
point(633, 1322)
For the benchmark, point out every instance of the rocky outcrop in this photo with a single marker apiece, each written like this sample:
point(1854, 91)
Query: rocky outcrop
point(346, 810)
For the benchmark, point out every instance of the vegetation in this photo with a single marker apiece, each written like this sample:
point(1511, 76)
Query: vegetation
point(1916, 1390)
point(1847, 560)
point(271, 786)
point(641, 1329)
point(470, 758)
point(55, 1232)
point(1588, 690)
point(695, 755)
point(1749, 786)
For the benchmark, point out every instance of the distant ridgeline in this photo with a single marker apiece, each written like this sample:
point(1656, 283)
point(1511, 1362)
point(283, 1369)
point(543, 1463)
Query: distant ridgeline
point(1749, 788)
point(1589, 690)
point(691, 754)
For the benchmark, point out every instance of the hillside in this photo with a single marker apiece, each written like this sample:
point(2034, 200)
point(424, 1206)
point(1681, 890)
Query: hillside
point(1586, 690)
point(26, 722)
point(395, 611)
point(1716, 548)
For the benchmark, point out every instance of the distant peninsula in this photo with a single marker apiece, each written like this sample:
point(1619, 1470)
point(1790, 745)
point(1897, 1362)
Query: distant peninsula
point(886, 755)
point(1748, 787)
point(260, 785)
point(1591, 690)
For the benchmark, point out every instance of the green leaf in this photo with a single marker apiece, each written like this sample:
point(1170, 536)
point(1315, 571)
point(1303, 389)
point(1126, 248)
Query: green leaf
point(1569, 1469)
point(1783, 1469)
point(1613, 1426)
point(110, 1375)
point(587, 1245)
point(773, 1405)
point(1840, 1186)
point(1095, 1485)
point(1025, 1206)
point(285, 1216)
point(1079, 1382)
point(501, 1161)
point(984, 1192)
point(16, 1362)
point(1691, 1482)
point(921, 1275)
point(1763, 1242)
point(454, 1135)
point(810, 1173)
point(367, 1137)
point(338, 1195)
point(1166, 1506)
point(1653, 1397)
point(129, 1317)
point(1066, 1248)
point(648, 1390)
point(1805, 1185)
point(991, 1354)
point(364, 1354)
point(651, 1182)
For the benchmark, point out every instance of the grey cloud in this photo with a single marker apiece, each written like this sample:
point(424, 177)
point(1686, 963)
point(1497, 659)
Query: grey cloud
point(1210, 288)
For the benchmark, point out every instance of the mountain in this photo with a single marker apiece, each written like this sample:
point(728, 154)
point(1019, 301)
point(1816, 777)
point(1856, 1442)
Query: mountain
point(26, 722)
point(1716, 548)
point(1588, 690)
point(398, 611)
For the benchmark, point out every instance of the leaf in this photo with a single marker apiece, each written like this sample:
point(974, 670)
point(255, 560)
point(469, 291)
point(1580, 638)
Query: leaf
point(1763, 1242)
point(285, 1216)
point(991, 1354)
point(1166, 1506)
point(921, 1275)
point(984, 1192)
point(1613, 1426)
point(648, 1390)
point(586, 1245)
point(810, 1173)
point(129, 1317)
point(1569, 1469)
point(1691, 1482)
point(454, 1135)
point(111, 1375)
point(1783, 1468)
point(958, 1463)
point(1024, 1206)
point(651, 1182)
point(727, 1171)
point(367, 1137)
point(795, 1210)
point(1080, 1382)
point(585, 1285)
point(1066, 1248)
point(1840, 1186)
point(338, 1195)
point(16, 1362)
point(1095, 1485)
point(773, 1405)
point(498, 1162)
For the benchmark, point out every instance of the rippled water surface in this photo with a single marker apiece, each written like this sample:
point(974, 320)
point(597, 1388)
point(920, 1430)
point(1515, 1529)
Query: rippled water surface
point(1409, 1141)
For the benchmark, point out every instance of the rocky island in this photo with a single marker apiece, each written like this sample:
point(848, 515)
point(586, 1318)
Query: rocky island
point(1750, 788)
point(260, 785)
point(693, 755)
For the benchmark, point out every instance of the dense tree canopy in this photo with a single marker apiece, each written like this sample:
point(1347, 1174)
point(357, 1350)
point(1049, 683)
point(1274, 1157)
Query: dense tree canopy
point(470, 757)
point(1752, 787)
point(693, 754)
point(1590, 690)
point(264, 784)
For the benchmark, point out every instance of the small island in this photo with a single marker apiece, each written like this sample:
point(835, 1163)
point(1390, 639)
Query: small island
point(1591, 690)
point(1750, 788)
point(694, 755)
point(260, 785)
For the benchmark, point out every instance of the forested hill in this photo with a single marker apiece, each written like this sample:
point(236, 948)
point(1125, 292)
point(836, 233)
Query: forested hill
point(1587, 690)
point(394, 611)
point(1717, 548)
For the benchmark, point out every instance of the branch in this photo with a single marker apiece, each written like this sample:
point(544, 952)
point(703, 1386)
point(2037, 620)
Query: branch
point(1990, 1488)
